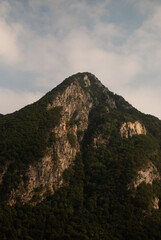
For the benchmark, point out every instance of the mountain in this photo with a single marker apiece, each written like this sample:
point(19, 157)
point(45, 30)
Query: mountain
point(80, 163)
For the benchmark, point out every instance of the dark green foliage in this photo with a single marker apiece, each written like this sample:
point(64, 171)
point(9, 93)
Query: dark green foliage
point(24, 137)
point(73, 120)
point(71, 139)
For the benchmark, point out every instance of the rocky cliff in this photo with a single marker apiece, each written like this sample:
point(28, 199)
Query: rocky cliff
point(128, 129)
point(82, 93)
point(148, 174)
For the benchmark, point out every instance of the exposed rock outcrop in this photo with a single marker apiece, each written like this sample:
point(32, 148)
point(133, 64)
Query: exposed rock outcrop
point(148, 174)
point(100, 141)
point(155, 203)
point(128, 129)
point(40, 178)
point(87, 82)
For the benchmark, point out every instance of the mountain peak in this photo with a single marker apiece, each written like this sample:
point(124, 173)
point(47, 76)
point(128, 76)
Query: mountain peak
point(90, 84)
point(86, 79)
point(81, 154)
point(83, 84)
point(52, 130)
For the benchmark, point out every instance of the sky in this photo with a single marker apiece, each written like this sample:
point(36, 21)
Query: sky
point(44, 42)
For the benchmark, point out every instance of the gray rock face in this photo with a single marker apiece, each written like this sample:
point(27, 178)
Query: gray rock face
point(87, 82)
point(129, 129)
point(79, 105)
point(148, 174)
point(40, 179)
point(155, 203)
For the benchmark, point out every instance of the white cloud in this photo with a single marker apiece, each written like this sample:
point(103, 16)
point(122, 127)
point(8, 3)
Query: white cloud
point(108, 31)
point(146, 45)
point(84, 53)
point(11, 101)
point(9, 49)
point(4, 8)
point(52, 58)
point(145, 98)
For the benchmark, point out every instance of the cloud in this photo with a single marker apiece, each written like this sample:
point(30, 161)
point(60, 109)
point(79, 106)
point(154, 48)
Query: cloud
point(52, 58)
point(9, 49)
point(50, 53)
point(146, 99)
point(145, 43)
point(83, 52)
point(61, 16)
point(54, 39)
point(12, 101)
point(4, 8)
point(81, 8)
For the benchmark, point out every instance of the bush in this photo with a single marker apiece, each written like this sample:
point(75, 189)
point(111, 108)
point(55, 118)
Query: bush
point(71, 139)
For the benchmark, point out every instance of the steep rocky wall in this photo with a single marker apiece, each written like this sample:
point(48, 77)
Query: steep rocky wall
point(74, 102)
point(46, 175)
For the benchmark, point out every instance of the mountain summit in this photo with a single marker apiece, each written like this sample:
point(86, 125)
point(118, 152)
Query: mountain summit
point(88, 160)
